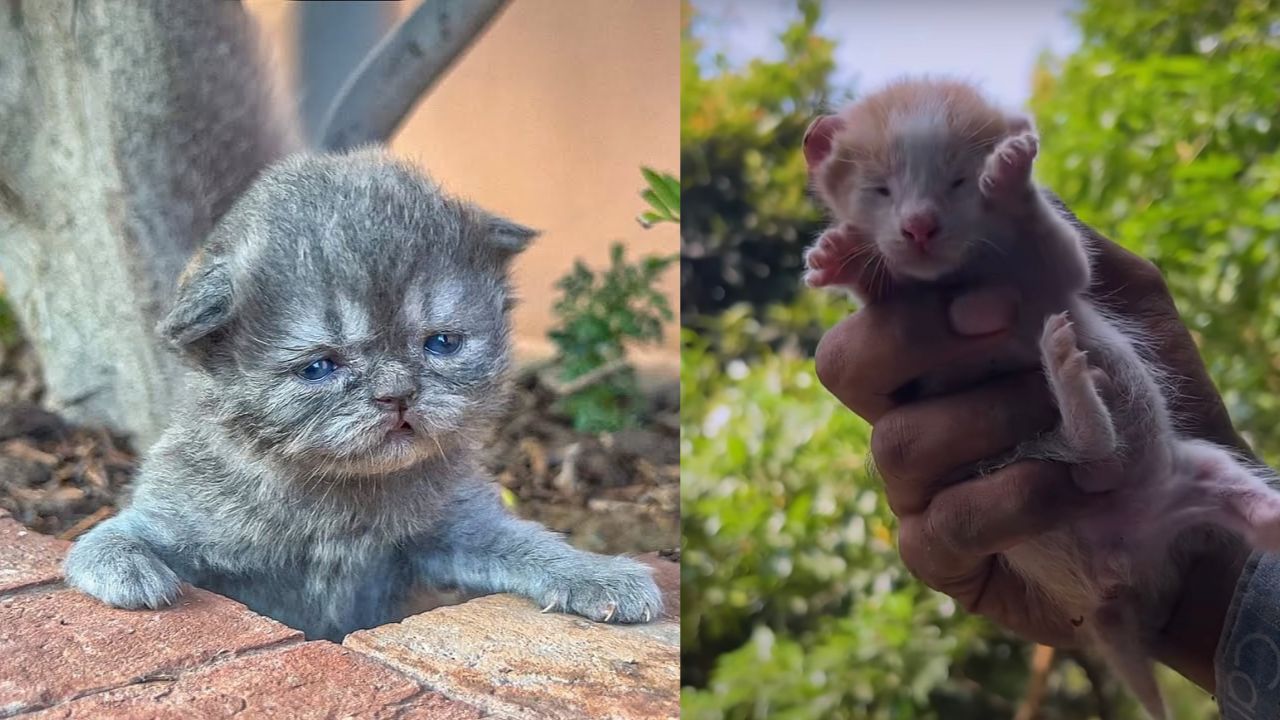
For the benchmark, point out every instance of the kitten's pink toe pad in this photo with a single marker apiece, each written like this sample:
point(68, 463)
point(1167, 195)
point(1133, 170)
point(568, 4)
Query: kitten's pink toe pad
point(1009, 166)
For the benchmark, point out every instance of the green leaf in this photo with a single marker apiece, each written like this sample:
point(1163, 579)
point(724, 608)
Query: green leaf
point(665, 187)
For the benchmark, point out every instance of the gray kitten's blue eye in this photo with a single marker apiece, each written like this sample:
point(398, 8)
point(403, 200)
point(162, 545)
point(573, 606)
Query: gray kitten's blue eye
point(319, 369)
point(442, 344)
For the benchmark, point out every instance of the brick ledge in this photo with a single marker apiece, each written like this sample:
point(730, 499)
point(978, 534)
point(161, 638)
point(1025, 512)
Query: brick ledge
point(64, 655)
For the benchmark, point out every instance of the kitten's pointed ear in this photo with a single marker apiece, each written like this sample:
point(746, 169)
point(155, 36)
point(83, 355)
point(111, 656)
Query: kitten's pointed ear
point(202, 304)
point(819, 138)
point(508, 237)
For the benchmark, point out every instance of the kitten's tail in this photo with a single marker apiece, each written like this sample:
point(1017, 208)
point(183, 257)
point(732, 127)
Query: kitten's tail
point(1118, 637)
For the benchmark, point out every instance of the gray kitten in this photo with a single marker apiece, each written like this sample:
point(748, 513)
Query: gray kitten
point(347, 328)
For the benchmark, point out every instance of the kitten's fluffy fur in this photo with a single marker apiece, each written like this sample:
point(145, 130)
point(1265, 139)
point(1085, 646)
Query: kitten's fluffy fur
point(288, 494)
point(925, 146)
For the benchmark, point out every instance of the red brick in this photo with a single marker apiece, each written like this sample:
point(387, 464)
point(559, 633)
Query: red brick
point(57, 645)
point(433, 706)
point(314, 680)
point(28, 558)
point(503, 656)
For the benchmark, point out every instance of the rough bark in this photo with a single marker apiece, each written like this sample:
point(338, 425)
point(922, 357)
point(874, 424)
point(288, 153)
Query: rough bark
point(126, 128)
point(333, 39)
point(402, 68)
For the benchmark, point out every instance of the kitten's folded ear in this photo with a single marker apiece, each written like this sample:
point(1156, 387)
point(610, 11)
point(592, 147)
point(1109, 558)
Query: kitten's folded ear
point(508, 237)
point(201, 306)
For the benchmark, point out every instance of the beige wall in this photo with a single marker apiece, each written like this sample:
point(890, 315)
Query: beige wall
point(547, 119)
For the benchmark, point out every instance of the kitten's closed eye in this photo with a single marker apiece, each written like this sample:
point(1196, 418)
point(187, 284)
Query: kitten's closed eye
point(442, 343)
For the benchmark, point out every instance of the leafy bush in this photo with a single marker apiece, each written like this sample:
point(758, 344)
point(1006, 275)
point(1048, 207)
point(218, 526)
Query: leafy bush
point(749, 213)
point(600, 315)
point(788, 546)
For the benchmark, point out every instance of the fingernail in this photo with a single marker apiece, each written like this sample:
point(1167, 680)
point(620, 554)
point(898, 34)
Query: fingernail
point(984, 311)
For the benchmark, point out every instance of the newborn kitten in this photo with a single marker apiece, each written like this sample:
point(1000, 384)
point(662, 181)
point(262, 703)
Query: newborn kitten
point(347, 328)
point(930, 184)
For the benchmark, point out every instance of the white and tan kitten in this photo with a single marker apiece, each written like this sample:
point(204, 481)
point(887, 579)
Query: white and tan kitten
point(930, 183)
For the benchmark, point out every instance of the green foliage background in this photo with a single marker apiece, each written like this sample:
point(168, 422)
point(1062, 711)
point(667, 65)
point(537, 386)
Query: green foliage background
point(1161, 131)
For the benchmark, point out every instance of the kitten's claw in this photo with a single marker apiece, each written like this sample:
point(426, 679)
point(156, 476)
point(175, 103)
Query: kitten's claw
point(1008, 168)
point(617, 590)
point(549, 606)
point(1087, 432)
point(1061, 346)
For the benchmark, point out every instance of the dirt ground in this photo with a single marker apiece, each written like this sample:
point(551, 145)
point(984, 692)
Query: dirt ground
point(613, 492)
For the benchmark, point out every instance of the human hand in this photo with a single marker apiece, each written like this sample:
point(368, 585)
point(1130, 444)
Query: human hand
point(952, 526)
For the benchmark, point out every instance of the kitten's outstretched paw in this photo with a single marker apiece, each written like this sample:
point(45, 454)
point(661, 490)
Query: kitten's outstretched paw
point(1062, 354)
point(618, 590)
point(833, 259)
point(1008, 168)
point(121, 573)
point(1087, 432)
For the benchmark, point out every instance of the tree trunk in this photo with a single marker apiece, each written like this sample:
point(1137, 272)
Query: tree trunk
point(127, 127)
point(333, 39)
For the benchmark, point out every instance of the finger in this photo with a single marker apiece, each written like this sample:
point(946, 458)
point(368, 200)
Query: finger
point(1125, 280)
point(964, 524)
point(865, 358)
point(921, 447)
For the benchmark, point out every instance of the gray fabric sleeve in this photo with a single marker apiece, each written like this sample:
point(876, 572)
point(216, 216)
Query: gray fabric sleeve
point(1248, 662)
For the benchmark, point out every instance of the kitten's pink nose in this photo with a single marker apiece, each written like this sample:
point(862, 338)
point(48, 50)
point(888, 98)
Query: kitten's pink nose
point(920, 228)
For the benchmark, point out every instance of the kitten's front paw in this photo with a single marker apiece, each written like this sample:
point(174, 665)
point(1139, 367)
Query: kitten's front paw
point(616, 590)
point(121, 573)
point(836, 258)
point(1008, 168)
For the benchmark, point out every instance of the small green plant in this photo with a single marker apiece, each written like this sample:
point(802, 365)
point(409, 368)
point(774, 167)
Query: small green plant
point(602, 314)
